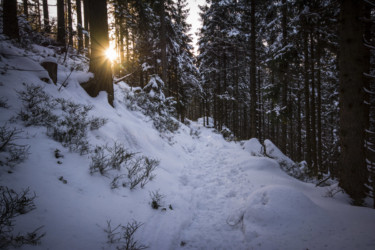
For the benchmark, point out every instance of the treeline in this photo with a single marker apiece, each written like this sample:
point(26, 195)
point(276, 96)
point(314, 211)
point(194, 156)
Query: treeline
point(277, 70)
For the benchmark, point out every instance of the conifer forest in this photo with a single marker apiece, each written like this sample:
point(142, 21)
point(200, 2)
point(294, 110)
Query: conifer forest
point(299, 74)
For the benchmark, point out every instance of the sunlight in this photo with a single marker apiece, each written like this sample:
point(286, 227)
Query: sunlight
point(111, 54)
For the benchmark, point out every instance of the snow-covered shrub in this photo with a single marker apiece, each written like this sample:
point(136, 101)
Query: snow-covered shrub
point(4, 103)
point(227, 134)
point(152, 102)
point(297, 170)
point(124, 236)
point(156, 199)
point(139, 170)
point(72, 126)
point(106, 158)
point(37, 107)
point(67, 122)
point(11, 153)
point(12, 205)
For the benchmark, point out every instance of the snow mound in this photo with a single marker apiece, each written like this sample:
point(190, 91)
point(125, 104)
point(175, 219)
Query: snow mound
point(285, 210)
point(254, 147)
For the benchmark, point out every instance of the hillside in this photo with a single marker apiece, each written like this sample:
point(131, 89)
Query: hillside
point(213, 193)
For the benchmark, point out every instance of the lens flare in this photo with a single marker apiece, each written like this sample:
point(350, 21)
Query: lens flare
point(111, 54)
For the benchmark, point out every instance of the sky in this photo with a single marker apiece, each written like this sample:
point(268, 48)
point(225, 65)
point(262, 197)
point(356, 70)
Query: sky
point(194, 19)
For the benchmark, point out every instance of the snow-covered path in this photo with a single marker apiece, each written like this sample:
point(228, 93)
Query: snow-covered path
point(237, 201)
point(216, 188)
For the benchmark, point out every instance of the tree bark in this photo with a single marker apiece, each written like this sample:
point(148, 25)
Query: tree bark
point(163, 42)
point(10, 21)
point(70, 23)
point(86, 22)
point(79, 25)
point(253, 84)
point(47, 27)
point(100, 65)
point(60, 23)
point(353, 174)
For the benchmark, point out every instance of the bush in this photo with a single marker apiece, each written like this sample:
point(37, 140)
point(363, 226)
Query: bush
point(4, 103)
point(156, 199)
point(107, 158)
point(124, 236)
point(38, 107)
point(69, 127)
point(11, 153)
point(139, 169)
point(152, 102)
point(14, 204)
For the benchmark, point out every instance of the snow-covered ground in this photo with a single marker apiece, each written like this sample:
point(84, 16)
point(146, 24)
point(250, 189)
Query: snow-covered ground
point(216, 195)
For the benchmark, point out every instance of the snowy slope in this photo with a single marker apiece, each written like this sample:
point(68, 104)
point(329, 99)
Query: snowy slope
point(221, 196)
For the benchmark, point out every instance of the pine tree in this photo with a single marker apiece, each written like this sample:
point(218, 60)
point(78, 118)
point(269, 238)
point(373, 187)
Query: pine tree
point(10, 21)
point(354, 175)
point(99, 63)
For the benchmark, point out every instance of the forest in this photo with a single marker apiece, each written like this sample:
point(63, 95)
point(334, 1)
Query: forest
point(300, 73)
point(122, 127)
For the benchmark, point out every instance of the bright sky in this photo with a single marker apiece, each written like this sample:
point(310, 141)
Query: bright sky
point(194, 19)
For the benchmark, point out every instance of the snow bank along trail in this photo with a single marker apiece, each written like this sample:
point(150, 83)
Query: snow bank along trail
point(238, 201)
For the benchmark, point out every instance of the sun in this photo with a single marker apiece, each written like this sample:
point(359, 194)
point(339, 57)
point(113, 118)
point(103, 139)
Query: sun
point(111, 54)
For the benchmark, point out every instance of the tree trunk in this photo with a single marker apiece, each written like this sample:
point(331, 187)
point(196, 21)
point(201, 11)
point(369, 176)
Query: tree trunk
point(307, 98)
point(26, 9)
point(253, 84)
point(79, 25)
point(86, 22)
point(163, 42)
point(70, 23)
point(60, 23)
point(99, 63)
point(47, 27)
point(284, 79)
point(353, 174)
point(10, 21)
point(312, 111)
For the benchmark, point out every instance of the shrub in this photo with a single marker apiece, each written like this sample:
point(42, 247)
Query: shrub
point(124, 236)
point(152, 102)
point(38, 107)
point(11, 153)
point(14, 204)
point(156, 199)
point(69, 127)
point(4, 103)
point(141, 171)
point(117, 157)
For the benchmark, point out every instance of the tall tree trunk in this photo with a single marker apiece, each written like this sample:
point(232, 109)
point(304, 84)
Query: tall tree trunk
point(353, 174)
point(79, 25)
point(163, 42)
point(47, 27)
point(60, 22)
point(99, 63)
point(70, 23)
point(253, 84)
point(313, 112)
point(25, 8)
point(319, 109)
point(86, 22)
point(307, 97)
point(10, 21)
point(284, 79)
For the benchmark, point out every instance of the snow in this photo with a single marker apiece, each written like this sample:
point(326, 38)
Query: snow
point(224, 195)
